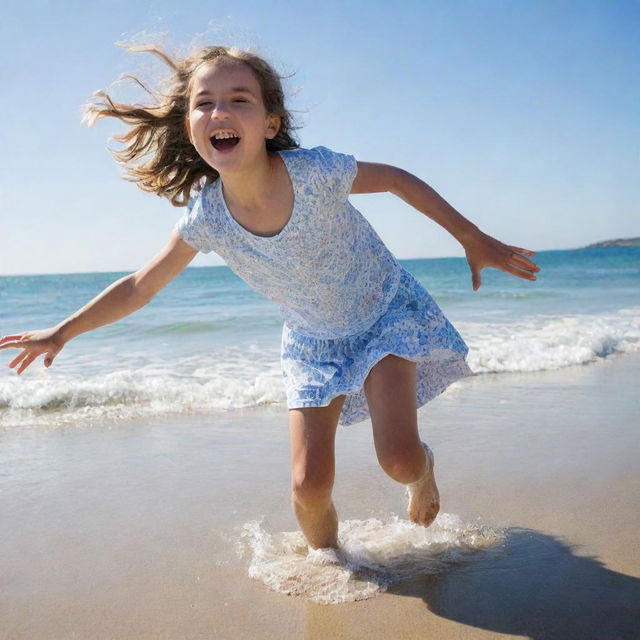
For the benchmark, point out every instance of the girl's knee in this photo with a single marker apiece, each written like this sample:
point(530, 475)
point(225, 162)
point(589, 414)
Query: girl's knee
point(311, 488)
point(403, 464)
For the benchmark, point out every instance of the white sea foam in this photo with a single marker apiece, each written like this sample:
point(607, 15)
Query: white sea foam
point(373, 555)
point(198, 384)
point(542, 343)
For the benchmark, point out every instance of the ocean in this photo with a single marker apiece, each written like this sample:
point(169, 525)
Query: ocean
point(209, 344)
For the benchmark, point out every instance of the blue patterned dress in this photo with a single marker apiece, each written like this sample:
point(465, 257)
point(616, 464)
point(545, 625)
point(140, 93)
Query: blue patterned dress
point(345, 299)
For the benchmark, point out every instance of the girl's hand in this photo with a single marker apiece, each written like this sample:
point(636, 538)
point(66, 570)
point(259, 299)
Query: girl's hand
point(33, 344)
point(484, 251)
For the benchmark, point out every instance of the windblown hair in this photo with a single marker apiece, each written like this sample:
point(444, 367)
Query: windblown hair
point(157, 153)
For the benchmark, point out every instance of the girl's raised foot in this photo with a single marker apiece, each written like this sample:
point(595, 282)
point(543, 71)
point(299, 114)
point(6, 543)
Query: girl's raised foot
point(424, 499)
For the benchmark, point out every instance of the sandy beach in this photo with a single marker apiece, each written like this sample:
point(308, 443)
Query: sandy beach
point(133, 530)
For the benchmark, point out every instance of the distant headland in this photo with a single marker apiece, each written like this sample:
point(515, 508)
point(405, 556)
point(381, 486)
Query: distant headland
point(621, 242)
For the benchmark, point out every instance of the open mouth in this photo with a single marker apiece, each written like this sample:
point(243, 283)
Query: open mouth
point(225, 140)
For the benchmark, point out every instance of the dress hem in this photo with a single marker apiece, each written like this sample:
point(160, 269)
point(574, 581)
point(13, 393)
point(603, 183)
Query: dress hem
point(456, 370)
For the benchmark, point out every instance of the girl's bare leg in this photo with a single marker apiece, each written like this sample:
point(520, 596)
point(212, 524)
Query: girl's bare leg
point(313, 433)
point(391, 394)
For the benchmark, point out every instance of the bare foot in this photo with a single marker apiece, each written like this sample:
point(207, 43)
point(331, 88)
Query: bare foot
point(325, 555)
point(424, 499)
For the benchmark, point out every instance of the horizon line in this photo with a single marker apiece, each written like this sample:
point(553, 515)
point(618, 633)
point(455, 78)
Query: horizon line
point(215, 266)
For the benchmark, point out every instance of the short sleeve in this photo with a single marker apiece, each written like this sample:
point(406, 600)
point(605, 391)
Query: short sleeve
point(192, 227)
point(339, 171)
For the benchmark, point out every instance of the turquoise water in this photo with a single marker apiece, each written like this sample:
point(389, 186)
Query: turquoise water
point(208, 342)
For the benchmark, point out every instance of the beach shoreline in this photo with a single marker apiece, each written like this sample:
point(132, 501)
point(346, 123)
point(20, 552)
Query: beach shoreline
point(131, 530)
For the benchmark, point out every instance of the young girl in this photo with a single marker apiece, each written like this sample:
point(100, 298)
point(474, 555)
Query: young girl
point(361, 337)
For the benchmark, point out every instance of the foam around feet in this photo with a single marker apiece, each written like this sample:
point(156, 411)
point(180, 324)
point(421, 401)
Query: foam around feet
point(377, 553)
point(326, 555)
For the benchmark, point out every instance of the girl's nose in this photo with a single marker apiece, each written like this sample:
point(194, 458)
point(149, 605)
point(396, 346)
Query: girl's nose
point(220, 111)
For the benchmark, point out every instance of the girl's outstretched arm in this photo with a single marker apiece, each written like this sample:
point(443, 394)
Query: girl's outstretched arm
point(481, 250)
point(117, 301)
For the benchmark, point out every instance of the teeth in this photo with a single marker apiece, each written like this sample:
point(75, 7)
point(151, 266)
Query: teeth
point(221, 135)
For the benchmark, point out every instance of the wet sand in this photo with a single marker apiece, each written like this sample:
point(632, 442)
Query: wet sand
point(130, 530)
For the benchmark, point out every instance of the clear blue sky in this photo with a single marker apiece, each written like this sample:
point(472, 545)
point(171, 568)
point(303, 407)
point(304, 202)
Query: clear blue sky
point(525, 115)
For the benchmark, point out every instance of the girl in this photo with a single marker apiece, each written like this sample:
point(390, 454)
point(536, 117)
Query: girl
point(361, 337)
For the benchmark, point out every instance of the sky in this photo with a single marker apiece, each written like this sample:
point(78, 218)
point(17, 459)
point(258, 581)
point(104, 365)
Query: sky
point(523, 114)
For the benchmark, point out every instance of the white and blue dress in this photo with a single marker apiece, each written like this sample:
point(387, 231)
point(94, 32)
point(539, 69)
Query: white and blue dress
point(345, 299)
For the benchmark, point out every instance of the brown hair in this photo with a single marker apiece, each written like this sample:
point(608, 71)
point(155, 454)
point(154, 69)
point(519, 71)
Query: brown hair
point(157, 153)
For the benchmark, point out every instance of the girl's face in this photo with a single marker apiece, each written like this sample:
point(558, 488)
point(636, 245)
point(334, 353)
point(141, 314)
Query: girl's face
point(227, 120)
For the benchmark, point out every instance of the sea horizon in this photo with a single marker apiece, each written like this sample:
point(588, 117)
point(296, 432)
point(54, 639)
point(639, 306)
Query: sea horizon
point(597, 244)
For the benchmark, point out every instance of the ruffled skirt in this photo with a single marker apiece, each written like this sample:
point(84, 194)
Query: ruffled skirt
point(316, 370)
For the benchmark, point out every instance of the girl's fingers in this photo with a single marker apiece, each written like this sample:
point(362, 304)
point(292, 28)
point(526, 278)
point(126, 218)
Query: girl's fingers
point(526, 275)
point(507, 258)
point(21, 356)
point(26, 362)
point(8, 341)
point(519, 255)
point(526, 252)
point(523, 263)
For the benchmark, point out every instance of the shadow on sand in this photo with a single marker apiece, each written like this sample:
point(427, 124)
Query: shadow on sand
point(534, 586)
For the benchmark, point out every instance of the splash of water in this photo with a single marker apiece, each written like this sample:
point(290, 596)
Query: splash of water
point(373, 555)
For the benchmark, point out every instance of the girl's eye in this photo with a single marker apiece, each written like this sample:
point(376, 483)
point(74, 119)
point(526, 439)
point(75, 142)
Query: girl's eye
point(241, 100)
